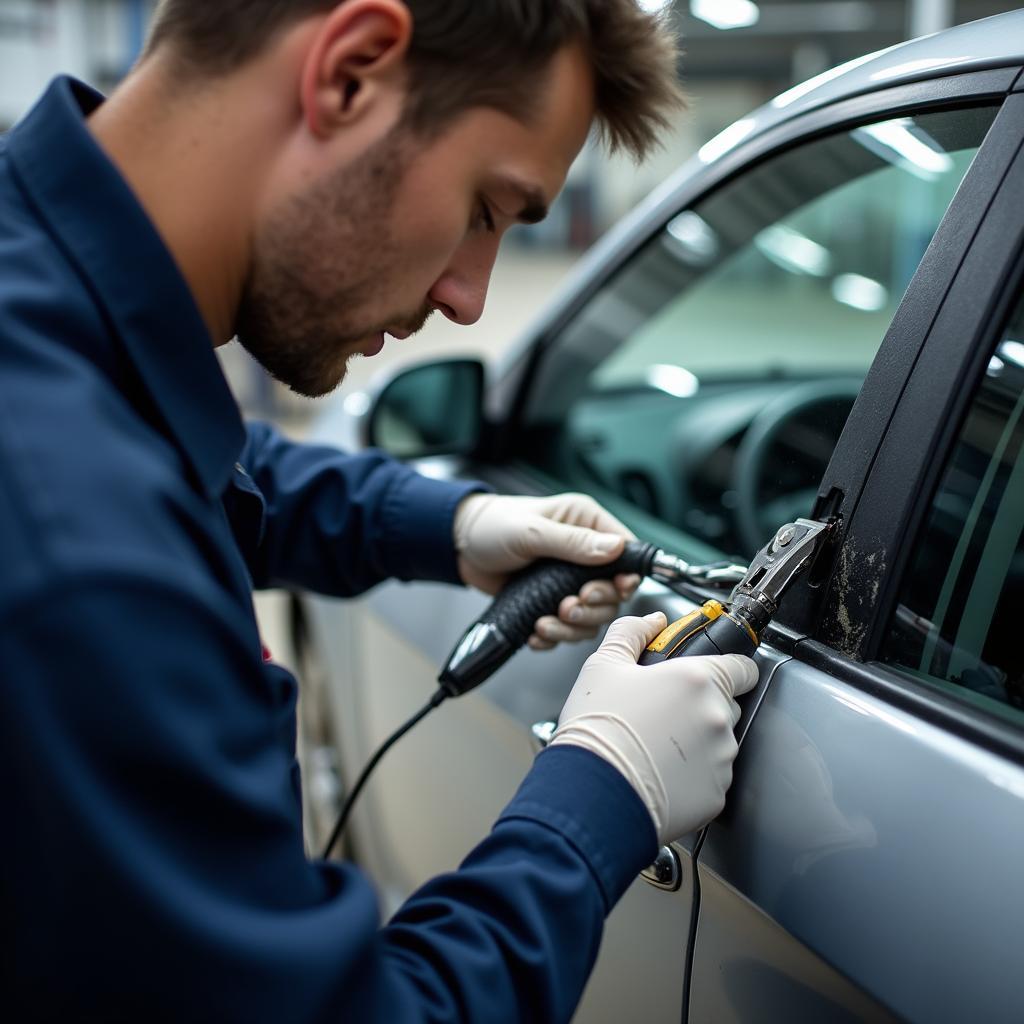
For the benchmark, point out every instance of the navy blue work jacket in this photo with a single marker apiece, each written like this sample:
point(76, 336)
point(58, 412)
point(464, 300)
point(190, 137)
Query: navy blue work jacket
point(152, 853)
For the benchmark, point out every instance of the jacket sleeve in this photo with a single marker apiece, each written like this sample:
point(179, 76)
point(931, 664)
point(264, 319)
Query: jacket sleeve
point(339, 523)
point(153, 859)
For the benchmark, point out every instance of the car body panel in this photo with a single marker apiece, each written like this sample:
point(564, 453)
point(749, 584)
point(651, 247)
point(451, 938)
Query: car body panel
point(837, 796)
point(762, 974)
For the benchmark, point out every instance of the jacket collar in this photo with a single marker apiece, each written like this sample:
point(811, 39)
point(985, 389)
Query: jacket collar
point(103, 229)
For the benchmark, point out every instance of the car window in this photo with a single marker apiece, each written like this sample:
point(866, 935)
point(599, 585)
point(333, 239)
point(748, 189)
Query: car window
point(706, 385)
point(956, 621)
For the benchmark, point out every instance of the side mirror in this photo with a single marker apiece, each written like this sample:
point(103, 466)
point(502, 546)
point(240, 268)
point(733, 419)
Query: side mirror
point(433, 409)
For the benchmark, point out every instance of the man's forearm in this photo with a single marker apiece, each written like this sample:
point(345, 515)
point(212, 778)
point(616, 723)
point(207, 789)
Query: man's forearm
point(339, 524)
point(531, 899)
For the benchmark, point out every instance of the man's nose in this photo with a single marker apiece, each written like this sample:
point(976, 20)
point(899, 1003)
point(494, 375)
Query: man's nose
point(461, 291)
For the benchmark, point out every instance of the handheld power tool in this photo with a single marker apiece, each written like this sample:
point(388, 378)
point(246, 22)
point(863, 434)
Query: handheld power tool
point(713, 629)
point(538, 590)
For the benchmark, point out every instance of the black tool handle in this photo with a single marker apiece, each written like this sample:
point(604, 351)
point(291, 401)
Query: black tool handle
point(509, 620)
point(540, 588)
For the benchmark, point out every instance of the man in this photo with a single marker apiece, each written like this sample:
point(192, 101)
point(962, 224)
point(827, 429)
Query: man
point(311, 176)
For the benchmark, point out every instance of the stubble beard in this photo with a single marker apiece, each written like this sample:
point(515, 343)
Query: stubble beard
point(323, 254)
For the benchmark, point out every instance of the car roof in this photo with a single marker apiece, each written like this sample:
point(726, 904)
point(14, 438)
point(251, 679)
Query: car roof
point(990, 43)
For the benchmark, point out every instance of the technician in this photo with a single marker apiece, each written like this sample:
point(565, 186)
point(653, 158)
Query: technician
point(309, 176)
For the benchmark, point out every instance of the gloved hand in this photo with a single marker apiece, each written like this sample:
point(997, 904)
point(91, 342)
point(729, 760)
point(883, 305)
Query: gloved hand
point(667, 727)
point(495, 536)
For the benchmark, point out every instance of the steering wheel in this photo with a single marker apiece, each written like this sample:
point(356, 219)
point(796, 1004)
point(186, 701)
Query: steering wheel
point(754, 520)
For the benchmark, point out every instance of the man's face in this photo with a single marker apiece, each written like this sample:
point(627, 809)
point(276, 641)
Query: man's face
point(406, 229)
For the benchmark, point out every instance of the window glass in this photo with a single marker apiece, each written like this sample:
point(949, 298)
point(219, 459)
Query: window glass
point(956, 622)
point(706, 385)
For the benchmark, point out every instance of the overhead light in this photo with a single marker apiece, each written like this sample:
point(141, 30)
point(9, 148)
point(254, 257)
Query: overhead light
point(654, 6)
point(860, 292)
point(726, 140)
point(793, 251)
point(726, 14)
point(673, 380)
point(895, 142)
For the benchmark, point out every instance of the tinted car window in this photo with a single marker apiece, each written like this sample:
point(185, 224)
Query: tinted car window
point(956, 622)
point(707, 383)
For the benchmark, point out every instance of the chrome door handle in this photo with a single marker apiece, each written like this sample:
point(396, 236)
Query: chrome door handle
point(666, 872)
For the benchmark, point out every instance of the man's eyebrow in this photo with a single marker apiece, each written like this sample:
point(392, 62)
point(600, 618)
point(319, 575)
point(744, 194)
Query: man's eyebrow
point(535, 207)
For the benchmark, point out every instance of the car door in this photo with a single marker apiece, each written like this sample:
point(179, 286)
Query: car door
point(868, 864)
point(696, 381)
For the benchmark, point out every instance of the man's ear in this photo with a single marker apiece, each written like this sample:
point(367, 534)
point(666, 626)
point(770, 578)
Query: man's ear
point(357, 52)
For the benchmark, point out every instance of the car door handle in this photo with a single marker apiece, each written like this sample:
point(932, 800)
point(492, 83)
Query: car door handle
point(666, 872)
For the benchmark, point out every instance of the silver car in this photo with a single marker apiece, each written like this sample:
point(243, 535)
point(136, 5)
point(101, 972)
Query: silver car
point(819, 315)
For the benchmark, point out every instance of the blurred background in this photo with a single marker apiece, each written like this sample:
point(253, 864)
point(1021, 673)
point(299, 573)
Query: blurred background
point(737, 55)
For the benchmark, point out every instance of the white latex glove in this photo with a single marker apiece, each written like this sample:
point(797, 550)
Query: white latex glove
point(495, 536)
point(667, 727)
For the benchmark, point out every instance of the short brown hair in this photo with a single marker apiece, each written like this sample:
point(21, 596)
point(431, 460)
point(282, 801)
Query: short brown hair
point(467, 53)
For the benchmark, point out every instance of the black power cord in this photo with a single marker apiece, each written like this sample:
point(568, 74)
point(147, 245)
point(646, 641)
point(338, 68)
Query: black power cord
point(346, 810)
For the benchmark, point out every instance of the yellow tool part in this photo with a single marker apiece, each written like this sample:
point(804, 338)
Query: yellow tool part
point(682, 629)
